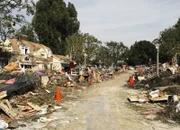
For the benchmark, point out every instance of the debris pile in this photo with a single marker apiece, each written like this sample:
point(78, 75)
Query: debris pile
point(32, 95)
point(163, 92)
point(153, 96)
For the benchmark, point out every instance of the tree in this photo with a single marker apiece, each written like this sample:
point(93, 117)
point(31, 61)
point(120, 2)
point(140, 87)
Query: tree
point(141, 52)
point(170, 45)
point(79, 44)
point(91, 45)
point(74, 47)
point(73, 23)
point(28, 31)
point(116, 51)
point(8, 15)
point(54, 22)
point(102, 56)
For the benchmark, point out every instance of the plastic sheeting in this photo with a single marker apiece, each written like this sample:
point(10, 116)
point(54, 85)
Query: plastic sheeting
point(11, 81)
point(39, 73)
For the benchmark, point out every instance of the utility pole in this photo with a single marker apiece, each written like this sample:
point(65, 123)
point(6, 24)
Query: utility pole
point(157, 47)
point(84, 52)
point(156, 43)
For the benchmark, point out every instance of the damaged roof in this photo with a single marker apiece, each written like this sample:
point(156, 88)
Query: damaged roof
point(33, 46)
point(64, 58)
point(14, 43)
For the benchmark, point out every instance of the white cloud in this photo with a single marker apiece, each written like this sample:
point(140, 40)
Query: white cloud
point(126, 20)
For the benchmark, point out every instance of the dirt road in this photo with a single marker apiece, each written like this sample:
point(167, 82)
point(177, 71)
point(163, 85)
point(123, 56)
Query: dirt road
point(103, 106)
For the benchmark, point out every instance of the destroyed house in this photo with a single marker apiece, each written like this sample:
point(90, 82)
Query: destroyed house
point(31, 55)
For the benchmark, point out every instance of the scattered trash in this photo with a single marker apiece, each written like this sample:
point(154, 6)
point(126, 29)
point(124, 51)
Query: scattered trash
point(48, 91)
point(44, 119)
point(3, 124)
point(175, 98)
point(43, 111)
point(154, 94)
point(178, 107)
point(171, 121)
point(57, 107)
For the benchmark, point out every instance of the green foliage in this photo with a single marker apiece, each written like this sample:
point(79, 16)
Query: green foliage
point(9, 15)
point(28, 31)
point(116, 51)
point(74, 47)
point(91, 46)
point(54, 22)
point(170, 45)
point(78, 44)
point(5, 56)
point(73, 23)
point(102, 55)
point(141, 52)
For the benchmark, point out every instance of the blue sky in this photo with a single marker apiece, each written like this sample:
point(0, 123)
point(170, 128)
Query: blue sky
point(126, 20)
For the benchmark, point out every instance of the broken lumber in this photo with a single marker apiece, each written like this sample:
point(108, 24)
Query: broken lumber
point(35, 107)
point(9, 112)
point(138, 98)
point(7, 103)
point(3, 94)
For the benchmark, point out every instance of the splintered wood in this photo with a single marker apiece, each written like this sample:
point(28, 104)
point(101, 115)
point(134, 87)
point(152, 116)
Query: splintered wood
point(7, 110)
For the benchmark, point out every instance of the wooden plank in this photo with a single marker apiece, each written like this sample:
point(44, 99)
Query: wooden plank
point(143, 98)
point(133, 98)
point(35, 107)
point(24, 108)
point(8, 103)
point(138, 98)
point(3, 94)
point(9, 112)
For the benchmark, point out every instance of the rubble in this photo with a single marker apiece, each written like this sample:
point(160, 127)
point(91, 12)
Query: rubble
point(3, 94)
point(40, 101)
point(138, 98)
point(13, 124)
point(7, 110)
point(163, 91)
point(153, 96)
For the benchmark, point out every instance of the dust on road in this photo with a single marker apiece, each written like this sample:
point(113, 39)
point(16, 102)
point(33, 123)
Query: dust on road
point(103, 106)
